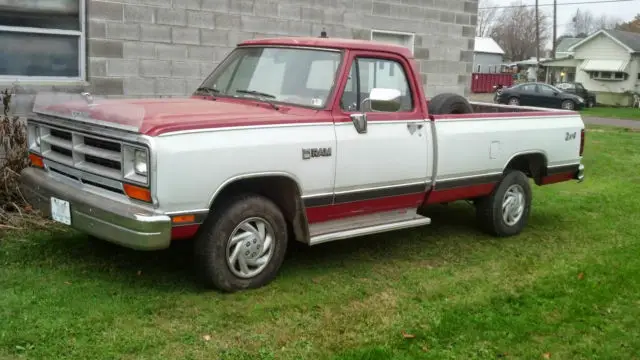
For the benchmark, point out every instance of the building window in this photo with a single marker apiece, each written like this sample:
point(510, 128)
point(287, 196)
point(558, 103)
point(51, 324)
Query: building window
point(394, 37)
point(42, 40)
point(608, 75)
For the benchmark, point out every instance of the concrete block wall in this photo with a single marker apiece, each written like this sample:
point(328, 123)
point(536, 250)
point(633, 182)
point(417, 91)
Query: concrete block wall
point(140, 48)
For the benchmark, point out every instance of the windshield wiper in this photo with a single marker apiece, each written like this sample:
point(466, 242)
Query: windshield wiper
point(263, 96)
point(208, 90)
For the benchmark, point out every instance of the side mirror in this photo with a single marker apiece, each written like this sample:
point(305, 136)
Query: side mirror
point(360, 122)
point(387, 100)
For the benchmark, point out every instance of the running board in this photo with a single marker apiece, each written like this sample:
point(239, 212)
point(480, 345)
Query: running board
point(365, 225)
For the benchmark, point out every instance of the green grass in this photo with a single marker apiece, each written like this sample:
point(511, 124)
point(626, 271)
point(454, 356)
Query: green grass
point(613, 113)
point(568, 286)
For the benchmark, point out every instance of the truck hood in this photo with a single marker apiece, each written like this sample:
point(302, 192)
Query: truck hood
point(157, 116)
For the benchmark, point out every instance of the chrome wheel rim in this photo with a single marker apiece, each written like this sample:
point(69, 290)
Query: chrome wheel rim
point(250, 247)
point(513, 204)
point(568, 105)
point(513, 102)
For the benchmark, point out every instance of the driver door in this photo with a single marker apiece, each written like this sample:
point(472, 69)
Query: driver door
point(386, 166)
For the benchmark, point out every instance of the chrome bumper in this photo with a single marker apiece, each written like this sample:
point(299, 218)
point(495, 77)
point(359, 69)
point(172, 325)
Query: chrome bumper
point(129, 225)
point(580, 173)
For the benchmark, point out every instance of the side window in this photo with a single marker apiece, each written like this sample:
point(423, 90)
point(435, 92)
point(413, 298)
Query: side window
point(545, 90)
point(373, 73)
point(528, 88)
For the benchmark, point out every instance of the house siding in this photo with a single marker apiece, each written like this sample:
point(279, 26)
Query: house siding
point(486, 62)
point(609, 92)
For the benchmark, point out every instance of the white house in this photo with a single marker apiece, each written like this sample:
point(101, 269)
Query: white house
point(487, 55)
point(607, 63)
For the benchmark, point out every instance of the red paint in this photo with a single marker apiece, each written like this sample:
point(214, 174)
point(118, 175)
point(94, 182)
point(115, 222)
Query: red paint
point(556, 178)
point(184, 231)
point(331, 43)
point(157, 116)
point(339, 211)
point(484, 82)
point(419, 100)
point(460, 193)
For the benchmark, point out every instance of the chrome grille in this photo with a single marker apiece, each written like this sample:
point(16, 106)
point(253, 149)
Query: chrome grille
point(89, 153)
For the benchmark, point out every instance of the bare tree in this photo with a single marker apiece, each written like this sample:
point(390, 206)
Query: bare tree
point(487, 14)
point(585, 23)
point(515, 30)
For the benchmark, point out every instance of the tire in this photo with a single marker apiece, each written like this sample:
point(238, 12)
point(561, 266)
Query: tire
point(211, 250)
point(449, 103)
point(568, 105)
point(514, 101)
point(489, 209)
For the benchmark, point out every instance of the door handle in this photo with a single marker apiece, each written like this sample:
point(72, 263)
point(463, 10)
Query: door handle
point(412, 127)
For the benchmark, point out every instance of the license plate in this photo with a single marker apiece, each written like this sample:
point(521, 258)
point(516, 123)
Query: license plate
point(60, 211)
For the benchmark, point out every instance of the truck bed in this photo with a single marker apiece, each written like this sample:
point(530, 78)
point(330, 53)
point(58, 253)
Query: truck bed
point(491, 110)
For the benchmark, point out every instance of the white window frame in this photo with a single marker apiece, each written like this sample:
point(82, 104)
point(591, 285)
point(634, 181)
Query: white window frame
point(81, 34)
point(411, 36)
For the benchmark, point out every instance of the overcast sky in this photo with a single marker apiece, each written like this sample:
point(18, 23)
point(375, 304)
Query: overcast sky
point(624, 10)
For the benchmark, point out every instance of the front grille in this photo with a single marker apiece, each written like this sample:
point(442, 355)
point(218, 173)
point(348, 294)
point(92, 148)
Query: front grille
point(92, 154)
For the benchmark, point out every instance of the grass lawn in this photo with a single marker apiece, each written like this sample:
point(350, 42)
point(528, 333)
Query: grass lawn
point(567, 288)
point(614, 113)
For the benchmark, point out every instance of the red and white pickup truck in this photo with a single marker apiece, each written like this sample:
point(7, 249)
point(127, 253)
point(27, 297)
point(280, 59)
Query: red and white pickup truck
point(291, 139)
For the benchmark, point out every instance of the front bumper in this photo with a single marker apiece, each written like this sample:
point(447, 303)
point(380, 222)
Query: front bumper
point(130, 225)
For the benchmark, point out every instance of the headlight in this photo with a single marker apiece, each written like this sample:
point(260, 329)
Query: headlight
point(580, 99)
point(136, 164)
point(140, 162)
point(36, 132)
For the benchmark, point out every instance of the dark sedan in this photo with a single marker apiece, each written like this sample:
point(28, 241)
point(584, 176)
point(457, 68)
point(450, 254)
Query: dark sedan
point(539, 95)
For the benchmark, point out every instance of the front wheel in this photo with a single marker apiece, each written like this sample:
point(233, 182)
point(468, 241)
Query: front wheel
point(514, 101)
point(506, 211)
point(242, 245)
point(568, 105)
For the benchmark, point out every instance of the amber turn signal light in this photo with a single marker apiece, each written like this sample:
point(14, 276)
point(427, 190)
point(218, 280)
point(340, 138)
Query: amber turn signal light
point(36, 161)
point(138, 193)
point(184, 219)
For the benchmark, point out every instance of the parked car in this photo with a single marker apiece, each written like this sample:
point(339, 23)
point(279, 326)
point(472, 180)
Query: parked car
point(540, 95)
point(578, 89)
point(291, 139)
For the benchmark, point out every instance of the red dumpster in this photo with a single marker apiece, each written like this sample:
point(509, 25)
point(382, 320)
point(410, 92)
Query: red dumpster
point(484, 82)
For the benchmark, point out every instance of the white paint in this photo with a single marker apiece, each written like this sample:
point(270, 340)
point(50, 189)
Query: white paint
point(388, 154)
point(463, 145)
point(191, 167)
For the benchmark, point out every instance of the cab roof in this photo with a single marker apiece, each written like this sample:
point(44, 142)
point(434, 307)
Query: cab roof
point(332, 43)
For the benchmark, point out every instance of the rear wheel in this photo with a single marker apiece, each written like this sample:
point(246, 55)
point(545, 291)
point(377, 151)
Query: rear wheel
point(514, 101)
point(243, 244)
point(568, 105)
point(506, 211)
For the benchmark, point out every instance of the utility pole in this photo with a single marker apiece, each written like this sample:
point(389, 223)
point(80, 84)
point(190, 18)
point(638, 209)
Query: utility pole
point(537, 41)
point(537, 35)
point(555, 25)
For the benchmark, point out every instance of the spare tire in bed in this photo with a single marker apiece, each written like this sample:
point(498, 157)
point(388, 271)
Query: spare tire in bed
point(449, 103)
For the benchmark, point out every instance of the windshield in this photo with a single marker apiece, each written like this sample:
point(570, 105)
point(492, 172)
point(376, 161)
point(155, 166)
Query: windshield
point(297, 76)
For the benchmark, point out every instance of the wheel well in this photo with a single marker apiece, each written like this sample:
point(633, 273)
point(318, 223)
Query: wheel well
point(282, 190)
point(533, 165)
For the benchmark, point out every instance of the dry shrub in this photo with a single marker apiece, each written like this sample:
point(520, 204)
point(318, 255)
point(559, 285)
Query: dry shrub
point(15, 212)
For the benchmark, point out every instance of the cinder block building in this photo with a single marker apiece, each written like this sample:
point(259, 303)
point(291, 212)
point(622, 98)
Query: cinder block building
point(140, 48)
